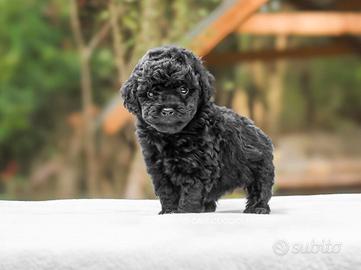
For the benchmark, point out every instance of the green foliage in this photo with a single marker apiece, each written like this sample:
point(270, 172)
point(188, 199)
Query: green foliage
point(333, 89)
point(39, 67)
point(35, 66)
point(338, 87)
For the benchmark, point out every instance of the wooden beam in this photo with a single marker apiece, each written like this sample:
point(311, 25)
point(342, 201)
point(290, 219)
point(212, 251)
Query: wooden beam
point(338, 5)
point(220, 23)
point(327, 174)
point(349, 5)
point(303, 23)
point(231, 58)
point(318, 182)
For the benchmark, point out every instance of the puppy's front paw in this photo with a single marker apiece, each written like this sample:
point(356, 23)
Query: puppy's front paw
point(257, 210)
point(262, 210)
point(167, 211)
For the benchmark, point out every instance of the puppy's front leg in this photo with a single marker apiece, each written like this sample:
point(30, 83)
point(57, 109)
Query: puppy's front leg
point(191, 198)
point(168, 195)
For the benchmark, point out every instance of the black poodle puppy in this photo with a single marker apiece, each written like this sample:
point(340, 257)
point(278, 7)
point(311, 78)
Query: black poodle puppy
point(195, 151)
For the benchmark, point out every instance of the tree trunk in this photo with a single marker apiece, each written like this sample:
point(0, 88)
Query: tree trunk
point(136, 178)
point(89, 138)
point(87, 99)
point(275, 90)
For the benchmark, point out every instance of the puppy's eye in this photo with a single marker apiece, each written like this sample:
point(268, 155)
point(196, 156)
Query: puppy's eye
point(150, 94)
point(184, 91)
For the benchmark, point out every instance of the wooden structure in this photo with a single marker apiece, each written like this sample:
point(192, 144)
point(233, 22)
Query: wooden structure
point(225, 20)
point(340, 19)
point(303, 24)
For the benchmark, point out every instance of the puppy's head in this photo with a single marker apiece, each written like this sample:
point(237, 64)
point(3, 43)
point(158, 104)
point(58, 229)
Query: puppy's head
point(167, 87)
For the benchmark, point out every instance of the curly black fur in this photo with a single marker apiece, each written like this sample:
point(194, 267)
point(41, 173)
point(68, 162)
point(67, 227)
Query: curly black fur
point(195, 151)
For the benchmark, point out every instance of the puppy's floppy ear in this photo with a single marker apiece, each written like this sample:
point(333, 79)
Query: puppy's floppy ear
point(129, 89)
point(206, 81)
point(205, 78)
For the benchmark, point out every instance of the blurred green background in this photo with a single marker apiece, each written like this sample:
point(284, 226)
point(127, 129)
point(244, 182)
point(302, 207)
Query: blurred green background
point(62, 63)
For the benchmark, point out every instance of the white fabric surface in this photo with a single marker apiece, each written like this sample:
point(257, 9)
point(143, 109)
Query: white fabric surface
point(302, 232)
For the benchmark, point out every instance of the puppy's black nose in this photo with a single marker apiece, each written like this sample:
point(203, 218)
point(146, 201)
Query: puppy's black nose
point(167, 111)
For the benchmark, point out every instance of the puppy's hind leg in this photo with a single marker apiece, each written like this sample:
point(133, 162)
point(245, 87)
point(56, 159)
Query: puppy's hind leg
point(259, 192)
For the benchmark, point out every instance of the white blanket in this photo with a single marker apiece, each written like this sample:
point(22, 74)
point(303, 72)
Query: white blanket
point(302, 232)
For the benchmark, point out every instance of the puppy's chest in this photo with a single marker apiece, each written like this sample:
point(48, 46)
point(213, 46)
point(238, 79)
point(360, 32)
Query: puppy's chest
point(190, 155)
